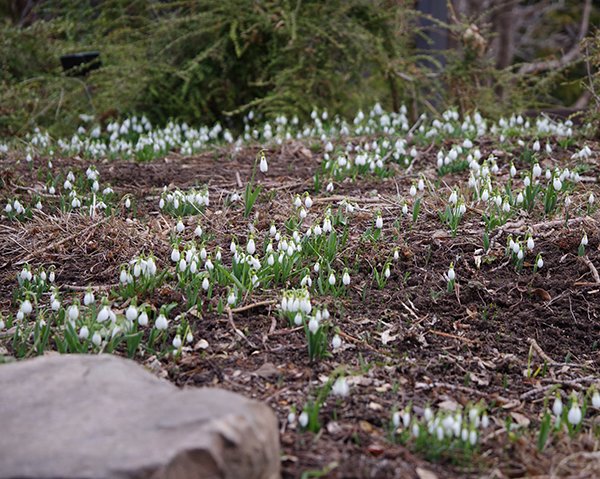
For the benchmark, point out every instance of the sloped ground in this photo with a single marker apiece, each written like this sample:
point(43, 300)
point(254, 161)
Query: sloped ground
point(410, 342)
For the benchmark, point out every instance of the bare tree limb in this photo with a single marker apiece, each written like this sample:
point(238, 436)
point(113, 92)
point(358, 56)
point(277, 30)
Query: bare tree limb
point(568, 57)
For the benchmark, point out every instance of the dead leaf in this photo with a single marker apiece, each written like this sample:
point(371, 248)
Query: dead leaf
point(520, 419)
point(375, 406)
point(366, 426)
point(267, 370)
point(541, 294)
point(386, 336)
point(448, 405)
point(425, 474)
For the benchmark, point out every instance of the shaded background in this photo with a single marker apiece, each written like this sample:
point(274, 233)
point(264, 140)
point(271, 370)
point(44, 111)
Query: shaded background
point(217, 60)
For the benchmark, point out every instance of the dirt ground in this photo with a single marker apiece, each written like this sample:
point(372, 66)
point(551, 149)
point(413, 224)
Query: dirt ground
point(441, 348)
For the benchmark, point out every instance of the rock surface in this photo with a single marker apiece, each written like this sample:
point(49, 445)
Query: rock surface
point(79, 416)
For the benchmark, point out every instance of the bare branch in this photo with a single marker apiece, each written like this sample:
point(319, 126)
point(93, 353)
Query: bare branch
point(568, 57)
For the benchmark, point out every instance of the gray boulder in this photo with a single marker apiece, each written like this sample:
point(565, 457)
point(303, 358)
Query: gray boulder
point(78, 416)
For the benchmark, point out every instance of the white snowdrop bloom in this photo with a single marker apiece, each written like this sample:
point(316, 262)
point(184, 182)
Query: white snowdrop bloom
point(451, 273)
point(193, 267)
point(514, 246)
point(204, 253)
point(73, 312)
point(161, 322)
point(405, 209)
point(123, 276)
point(596, 400)
point(143, 319)
point(485, 421)
point(584, 240)
point(132, 313)
point(161, 203)
point(272, 231)
point(297, 201)
point(520, 254)
point(506, 206)
point(313, 325)
point(413, 190)
point(231, 298)
point(67, 185)
point(336, 342)
point(127, 203)
point(464, 434)
point(84, 332)
point(428, 414)
point(537, 170)
point(379, 222)
point(453, 198)
point(298, 319)
point(405, 419)
point(8, 208)
point(303, 419)
point(591, 199)
point(198, 231)
point(536, 146)
point(332, 279)
point(55, 305)
point(439, 431)
point(180, 226)
point(26, 307)
point(462, 209)
point(308, 202)
point(485, 195)
point(205, 284)
point(251, 246)
point(520, 198)
point(421, 184)
point(26, 274)
point(396, 419)
point(574, 417)
point(557, 407)
point(548, 174)
point(264, 166)
point(346, 278)
point(329, 187)
point(540, 263)
point(530, 243)
point(177, 342)
point(557, 183)
point(97, 339)
point(38, 205)
point(175, 255)
point(302, 213)
point(527, 181)
point(291, 417)
point(513, 170)
point(415, 430)
point(396, 255)
point(52, 190)
point(340, 387)
point(473, 437)
point(20, 316)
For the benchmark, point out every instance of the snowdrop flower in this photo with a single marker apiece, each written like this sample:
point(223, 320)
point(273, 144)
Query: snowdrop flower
point(132, 313)
point(272, 230)
point(513, 170)
point(415, 430)
point(143, 319)
point(205, 284)
point(190, 337)
point(84, 332)
point(308, 202)
point(182, 265)
point(530, 243)
point(264, 167)
point(26, 307)
point(332, 279)
point(540, 262)
point(485, 421)
point(413, 190)
point(557, 406)
point(405, 209)
point(313, 325)
point(231, 298)
point(127, 203)
point(520, 198)
point(451, 273)
point(329, 187)
point(55, 305)
point(336, 342)
point(297, 201)
point(20, 316)
point(291, 417)
point(175, 255)
point(73, 312)
point(506, 206)
point(379, 222)
point(428, 414)
point(340, 387)
point(574, 417)
point(198, 231)
point(537, 170)
point(584, 240)
point(591, 199)
point(180, 226)
point(596, 400)
point(88, 298)
point(557, 183)
point(97, 339)
point(161, 322)
point(303, 419)
point(536, 146)
point(473, 437)
point(453, 198)
point(177, 342)
point(346, 278)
